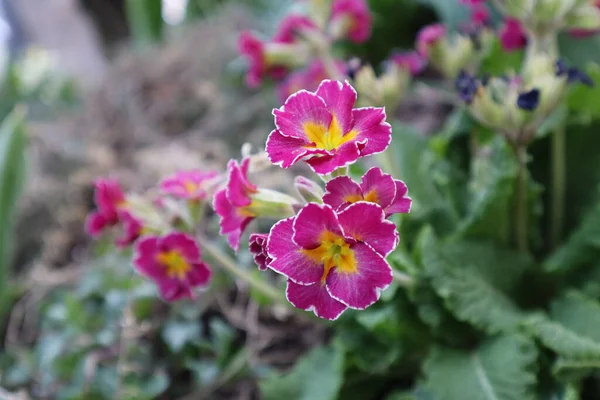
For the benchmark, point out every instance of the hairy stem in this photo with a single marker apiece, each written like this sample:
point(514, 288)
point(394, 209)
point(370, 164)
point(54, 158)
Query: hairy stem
point(403, 279)
point(231, 266)
point(558, 172)
point(520, 211)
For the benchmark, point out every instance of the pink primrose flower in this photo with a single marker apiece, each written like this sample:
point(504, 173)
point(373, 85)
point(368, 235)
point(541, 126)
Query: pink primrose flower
point(411, 61)
point(173, 263)
point(375, 187)
point(132, 229)
point(354, 17)
point(472, 2)
point(307, 78)
point(258, 249)
point(512, 35)
point(333, 260)
point(189, 185)
point(231, 203)
point(109, 199)
point(428, 36)
point(323, 129)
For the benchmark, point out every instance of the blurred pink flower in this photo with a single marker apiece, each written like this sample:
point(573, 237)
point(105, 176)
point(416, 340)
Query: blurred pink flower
point(428, 36)
point(354, 18)
point(411, 61)
point(188, 185)
point(173, 263)
point(512, 35)
point(307, 78)
point(109, 199)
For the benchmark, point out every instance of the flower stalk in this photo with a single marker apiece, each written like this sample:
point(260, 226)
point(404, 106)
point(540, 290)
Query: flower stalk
point(520, 211)
point(558, 172)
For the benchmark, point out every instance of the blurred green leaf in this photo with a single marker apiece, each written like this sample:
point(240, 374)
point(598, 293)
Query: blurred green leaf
point(584, 102)
point(316, 376)
point(501, 368)
point(450, 13)
point(13, 145)
point(177, 334)
point(145, 20)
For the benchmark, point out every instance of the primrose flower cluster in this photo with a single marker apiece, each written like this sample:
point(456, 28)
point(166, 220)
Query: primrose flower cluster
point(329, 240)
point(299, 55)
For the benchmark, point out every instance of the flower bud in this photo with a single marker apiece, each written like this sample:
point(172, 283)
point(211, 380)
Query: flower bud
point(269, 203)
point(309, 190)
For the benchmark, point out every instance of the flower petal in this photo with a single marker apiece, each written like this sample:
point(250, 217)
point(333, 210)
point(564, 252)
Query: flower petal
point(370, 124)
point(183, 243)
point(402, 203)
point(378, 187)
point(95, 223)
point(172, 290)
point(232, 224)
point(300, 108)
point(361, 289)
point(144, 261)
point(342, 191)
point(286, 151)
point(199, 275)
point(314, 298)
point(345, 155)
point(311, 222)
point(238, 186)
point(366, 223)
point(288, 258)
point(340, 98)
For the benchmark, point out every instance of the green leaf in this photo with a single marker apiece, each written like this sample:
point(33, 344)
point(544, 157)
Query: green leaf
point(177, 334)
point(317, 376)
point(582, 247)
point(145, 20)
point(492, 189)
point(573, 332)
point(580, 51)
point(501, 368)
point(13, 144)
point(499, 62)
point(467, 292)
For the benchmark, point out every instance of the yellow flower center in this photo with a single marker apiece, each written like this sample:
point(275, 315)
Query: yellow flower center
point(327, 138)
point(370, 197)
point(174, 263)
point(333, 251)
point(190, 187)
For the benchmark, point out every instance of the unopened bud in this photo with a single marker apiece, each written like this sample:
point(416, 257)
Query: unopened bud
point(309, 190)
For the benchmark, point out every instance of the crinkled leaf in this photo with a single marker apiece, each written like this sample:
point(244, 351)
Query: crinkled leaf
point(317, 376)
point(573, 332)
point(501, 368)
point(467, 293)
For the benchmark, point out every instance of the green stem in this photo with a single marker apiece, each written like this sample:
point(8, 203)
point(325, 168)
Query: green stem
point(521, 214)
point(231, 266)
point(558, 185)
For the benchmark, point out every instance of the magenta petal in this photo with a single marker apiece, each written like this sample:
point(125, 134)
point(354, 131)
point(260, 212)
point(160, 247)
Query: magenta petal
point(95, 223)
point(173, 290)
point(382, 184)
point(361, 289)
point(144, 258)
point(314, 298)
point(199, 275)
point(340, 190)
point(301, 107)
point(345, 155)
point(258, 248)
point(285, 151)
point(340, 98)
point(238, 186)
point(402, 203)
point(287, 258)
point(366, 223)
point(231, 222)
point(184, 244)
point(370, 124)
point(311, 222)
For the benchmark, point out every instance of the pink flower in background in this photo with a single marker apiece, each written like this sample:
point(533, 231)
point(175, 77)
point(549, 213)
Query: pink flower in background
point(480, 15)
point(258, 249)
point(189, 185)
point(428, 36)
point(333, 260)
point(411, 61)
point(132, 229)
point(109, 199)
point(375, 187)
point(355, 18)
point(323, 129)
point(291, 27)
point(512, 35)
point(231, 203)
point(173, 263)
point(472, 2)
point(307, 78)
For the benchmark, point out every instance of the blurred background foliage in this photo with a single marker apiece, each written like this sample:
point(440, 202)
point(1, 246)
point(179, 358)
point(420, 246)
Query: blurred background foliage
point(70, 338)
